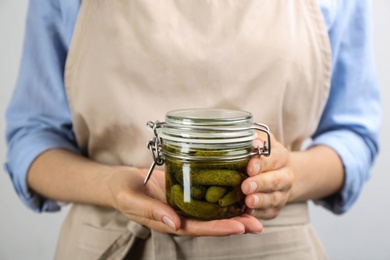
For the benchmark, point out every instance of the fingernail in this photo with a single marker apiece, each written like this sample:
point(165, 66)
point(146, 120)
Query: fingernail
point(253, 187)
point(257, 199)
point(169, 222)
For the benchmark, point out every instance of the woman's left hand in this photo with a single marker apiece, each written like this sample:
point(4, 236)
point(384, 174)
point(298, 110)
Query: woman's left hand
point(270, 181)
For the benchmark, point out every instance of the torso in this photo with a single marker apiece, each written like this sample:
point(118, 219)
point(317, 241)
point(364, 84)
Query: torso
point(132, 61)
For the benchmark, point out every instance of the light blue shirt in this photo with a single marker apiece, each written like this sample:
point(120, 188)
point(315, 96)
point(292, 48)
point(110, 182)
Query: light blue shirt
point(38, 116)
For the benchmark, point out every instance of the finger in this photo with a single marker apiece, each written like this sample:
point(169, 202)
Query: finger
point(189, 227)
point(265, 214)
point(142, 207)
point(223, 227)
point(152, 224)
point(277, 159)
point(252, 224)
point(265, 200)
point(267, 182)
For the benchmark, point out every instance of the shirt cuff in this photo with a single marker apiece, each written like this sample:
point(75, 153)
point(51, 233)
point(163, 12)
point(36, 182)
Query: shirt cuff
point(21, 155)
point(357, 161)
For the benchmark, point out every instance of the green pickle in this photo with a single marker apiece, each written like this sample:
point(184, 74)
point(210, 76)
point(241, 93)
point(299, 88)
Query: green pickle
point(194, 208)
point(214, 186)
point(215, 193)
point(232, 197)
point(198, 192)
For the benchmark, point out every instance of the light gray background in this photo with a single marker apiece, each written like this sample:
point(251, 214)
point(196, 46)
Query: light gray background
point(362, 233)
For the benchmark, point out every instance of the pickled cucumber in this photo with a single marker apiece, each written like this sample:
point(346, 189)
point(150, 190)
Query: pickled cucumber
point(232, 197)
point(214, 193)
point(194, 208)
point(212, 177)
point(198, 192)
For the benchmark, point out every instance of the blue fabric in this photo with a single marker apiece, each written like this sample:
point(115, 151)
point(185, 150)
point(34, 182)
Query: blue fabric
point(38, 116)
point(352, 118)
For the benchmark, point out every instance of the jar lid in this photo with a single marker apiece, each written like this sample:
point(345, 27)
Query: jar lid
point(207, 126)
point(211, 117)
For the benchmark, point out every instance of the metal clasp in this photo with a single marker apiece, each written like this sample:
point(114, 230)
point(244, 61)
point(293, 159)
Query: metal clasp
point(266, 149)
point(154, 145)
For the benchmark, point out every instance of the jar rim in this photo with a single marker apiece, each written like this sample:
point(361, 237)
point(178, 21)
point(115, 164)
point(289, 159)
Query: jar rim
point(207, 126)
point(208, 116)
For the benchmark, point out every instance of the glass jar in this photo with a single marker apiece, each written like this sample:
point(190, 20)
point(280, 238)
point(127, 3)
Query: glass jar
point(206, 152)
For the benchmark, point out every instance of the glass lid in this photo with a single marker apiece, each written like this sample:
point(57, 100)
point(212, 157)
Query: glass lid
point(210, 117)
point(204, 125)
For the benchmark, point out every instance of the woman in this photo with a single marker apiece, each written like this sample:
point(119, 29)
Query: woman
point(94, 72)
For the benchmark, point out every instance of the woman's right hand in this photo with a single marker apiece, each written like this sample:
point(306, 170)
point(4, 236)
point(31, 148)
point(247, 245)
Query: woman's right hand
point(145, 204)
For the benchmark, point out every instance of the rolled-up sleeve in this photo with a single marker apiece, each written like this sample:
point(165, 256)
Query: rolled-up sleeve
point(38, 116)
point(352, 118)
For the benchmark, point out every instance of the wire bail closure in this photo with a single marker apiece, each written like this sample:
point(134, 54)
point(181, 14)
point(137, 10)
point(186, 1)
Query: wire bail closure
point(154, 145)
point(155, 148)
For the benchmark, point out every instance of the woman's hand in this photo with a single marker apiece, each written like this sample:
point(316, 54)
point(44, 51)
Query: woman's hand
point(64, 176)
point(270, 181)
point(287, 176)
point(146, 206)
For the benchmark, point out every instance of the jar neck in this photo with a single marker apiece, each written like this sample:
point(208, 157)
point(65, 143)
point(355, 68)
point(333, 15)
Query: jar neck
point(207, 151)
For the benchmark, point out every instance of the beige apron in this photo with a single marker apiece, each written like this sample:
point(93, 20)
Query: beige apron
point(133, 60)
